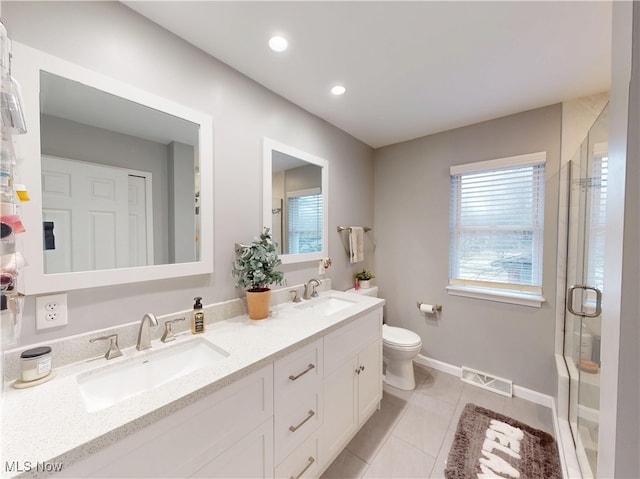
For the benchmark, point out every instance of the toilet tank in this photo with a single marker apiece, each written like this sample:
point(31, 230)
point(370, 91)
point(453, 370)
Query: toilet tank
point(373, 291)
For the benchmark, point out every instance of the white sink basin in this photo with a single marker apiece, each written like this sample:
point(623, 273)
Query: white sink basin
point(326, 306)
point(112, 384)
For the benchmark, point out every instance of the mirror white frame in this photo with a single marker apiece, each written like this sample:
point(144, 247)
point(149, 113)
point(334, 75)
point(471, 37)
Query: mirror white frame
point(26, 66)
point(269, 146)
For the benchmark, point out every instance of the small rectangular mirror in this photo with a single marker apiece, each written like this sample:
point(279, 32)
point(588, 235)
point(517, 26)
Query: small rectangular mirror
point(295, 199)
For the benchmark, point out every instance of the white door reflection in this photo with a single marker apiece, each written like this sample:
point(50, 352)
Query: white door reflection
point(100, 214)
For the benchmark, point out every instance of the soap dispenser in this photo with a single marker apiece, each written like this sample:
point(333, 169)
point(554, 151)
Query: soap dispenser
point(197, 322)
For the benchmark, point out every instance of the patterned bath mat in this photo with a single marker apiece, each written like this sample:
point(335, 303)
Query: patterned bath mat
point(490, 445)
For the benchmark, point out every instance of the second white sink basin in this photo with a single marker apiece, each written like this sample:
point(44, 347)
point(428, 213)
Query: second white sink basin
point(326, 306)
point(103, 388)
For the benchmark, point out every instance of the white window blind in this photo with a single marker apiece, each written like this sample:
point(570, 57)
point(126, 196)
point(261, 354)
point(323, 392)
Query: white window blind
point(304, 221)
point(597, 216)
point(497, 224)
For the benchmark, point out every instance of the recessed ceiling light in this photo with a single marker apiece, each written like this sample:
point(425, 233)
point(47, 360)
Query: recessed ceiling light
point(278, 44)
point(338, 90)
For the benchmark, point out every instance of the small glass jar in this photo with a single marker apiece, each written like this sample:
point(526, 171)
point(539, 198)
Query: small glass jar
point(36, 363)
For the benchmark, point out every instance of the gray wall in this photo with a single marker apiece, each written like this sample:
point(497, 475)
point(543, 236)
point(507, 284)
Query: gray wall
point(109, 38)
point(182, 203)
point(412, 224)
point(303, 178)
point(78, 141)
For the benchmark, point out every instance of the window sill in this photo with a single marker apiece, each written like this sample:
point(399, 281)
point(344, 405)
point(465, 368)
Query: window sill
point(532, 300)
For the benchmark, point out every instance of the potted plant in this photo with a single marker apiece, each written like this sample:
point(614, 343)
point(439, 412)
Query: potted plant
point(364, 278)
point(255, 270)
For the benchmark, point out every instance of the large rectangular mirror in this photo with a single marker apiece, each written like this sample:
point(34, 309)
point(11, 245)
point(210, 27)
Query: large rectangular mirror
point(120, 180)
point(295, 199)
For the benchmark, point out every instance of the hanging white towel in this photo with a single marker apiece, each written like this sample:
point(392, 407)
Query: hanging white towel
point(356, 244)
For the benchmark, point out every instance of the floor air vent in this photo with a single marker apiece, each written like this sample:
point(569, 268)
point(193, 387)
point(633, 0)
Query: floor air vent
point(487, 381)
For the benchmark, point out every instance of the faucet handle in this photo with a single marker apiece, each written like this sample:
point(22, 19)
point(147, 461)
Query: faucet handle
point(296, 296)
point(114, 349)
point(168, 335)
point(314, 293)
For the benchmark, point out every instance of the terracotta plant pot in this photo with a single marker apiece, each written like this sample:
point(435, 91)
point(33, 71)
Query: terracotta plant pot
point(258, 301)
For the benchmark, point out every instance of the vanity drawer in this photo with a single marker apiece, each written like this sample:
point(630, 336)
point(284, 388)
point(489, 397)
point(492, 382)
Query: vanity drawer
point(299, 371)
point(295, 419)
point(346, 342)
point(302, 463)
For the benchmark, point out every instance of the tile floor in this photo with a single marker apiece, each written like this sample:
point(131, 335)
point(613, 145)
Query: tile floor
point(410, 436)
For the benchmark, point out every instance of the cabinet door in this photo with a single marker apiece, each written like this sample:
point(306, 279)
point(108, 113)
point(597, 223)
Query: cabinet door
point(252, 456)
point(346, 342)
point(183, 442)
point(369, 380)
point(340, 413)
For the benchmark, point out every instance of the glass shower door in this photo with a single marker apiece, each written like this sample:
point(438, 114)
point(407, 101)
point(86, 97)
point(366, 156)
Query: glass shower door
point(585, 272)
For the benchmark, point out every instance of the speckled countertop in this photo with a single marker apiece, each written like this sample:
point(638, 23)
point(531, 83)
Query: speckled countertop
point(49, 424)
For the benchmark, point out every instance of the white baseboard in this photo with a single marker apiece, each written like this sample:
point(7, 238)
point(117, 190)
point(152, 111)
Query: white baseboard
point(533, 396)
point(518, 391)
point(438, 365)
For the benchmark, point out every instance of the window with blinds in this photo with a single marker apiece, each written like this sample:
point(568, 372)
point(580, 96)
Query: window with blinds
point(497, 224)
point(597, 216)
point(304, 219)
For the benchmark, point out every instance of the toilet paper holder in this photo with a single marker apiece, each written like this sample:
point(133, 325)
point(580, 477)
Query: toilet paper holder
point(436, 307)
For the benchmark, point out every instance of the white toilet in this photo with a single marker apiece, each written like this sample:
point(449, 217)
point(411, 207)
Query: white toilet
point(399, 347)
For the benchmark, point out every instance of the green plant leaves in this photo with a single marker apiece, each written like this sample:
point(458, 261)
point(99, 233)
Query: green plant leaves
point(255, 266)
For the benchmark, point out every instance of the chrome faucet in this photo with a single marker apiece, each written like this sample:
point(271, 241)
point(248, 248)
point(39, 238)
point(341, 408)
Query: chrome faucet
point(144, 338)
point(310, 289)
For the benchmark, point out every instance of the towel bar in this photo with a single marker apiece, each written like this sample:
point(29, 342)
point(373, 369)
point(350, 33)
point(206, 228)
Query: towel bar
point(348, 228)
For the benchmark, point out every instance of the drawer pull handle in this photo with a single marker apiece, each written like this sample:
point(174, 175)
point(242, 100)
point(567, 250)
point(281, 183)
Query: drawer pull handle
point(295, 428)
point(309, 368)
point(311, 461)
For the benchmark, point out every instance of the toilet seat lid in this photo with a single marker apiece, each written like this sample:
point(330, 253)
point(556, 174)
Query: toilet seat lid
point(399, 336)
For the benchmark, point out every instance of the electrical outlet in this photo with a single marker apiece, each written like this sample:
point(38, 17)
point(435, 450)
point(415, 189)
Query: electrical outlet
point(51, 311)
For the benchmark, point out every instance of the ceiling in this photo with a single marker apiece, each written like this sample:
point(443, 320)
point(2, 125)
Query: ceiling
point(410, 68)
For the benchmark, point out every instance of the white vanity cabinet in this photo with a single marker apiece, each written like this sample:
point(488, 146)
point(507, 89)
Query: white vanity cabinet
point(289, 419)
point(227, 434)
point(352, 382)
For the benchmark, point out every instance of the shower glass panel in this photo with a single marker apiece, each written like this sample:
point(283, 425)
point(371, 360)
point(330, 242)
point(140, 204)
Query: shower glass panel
point(585, 272)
